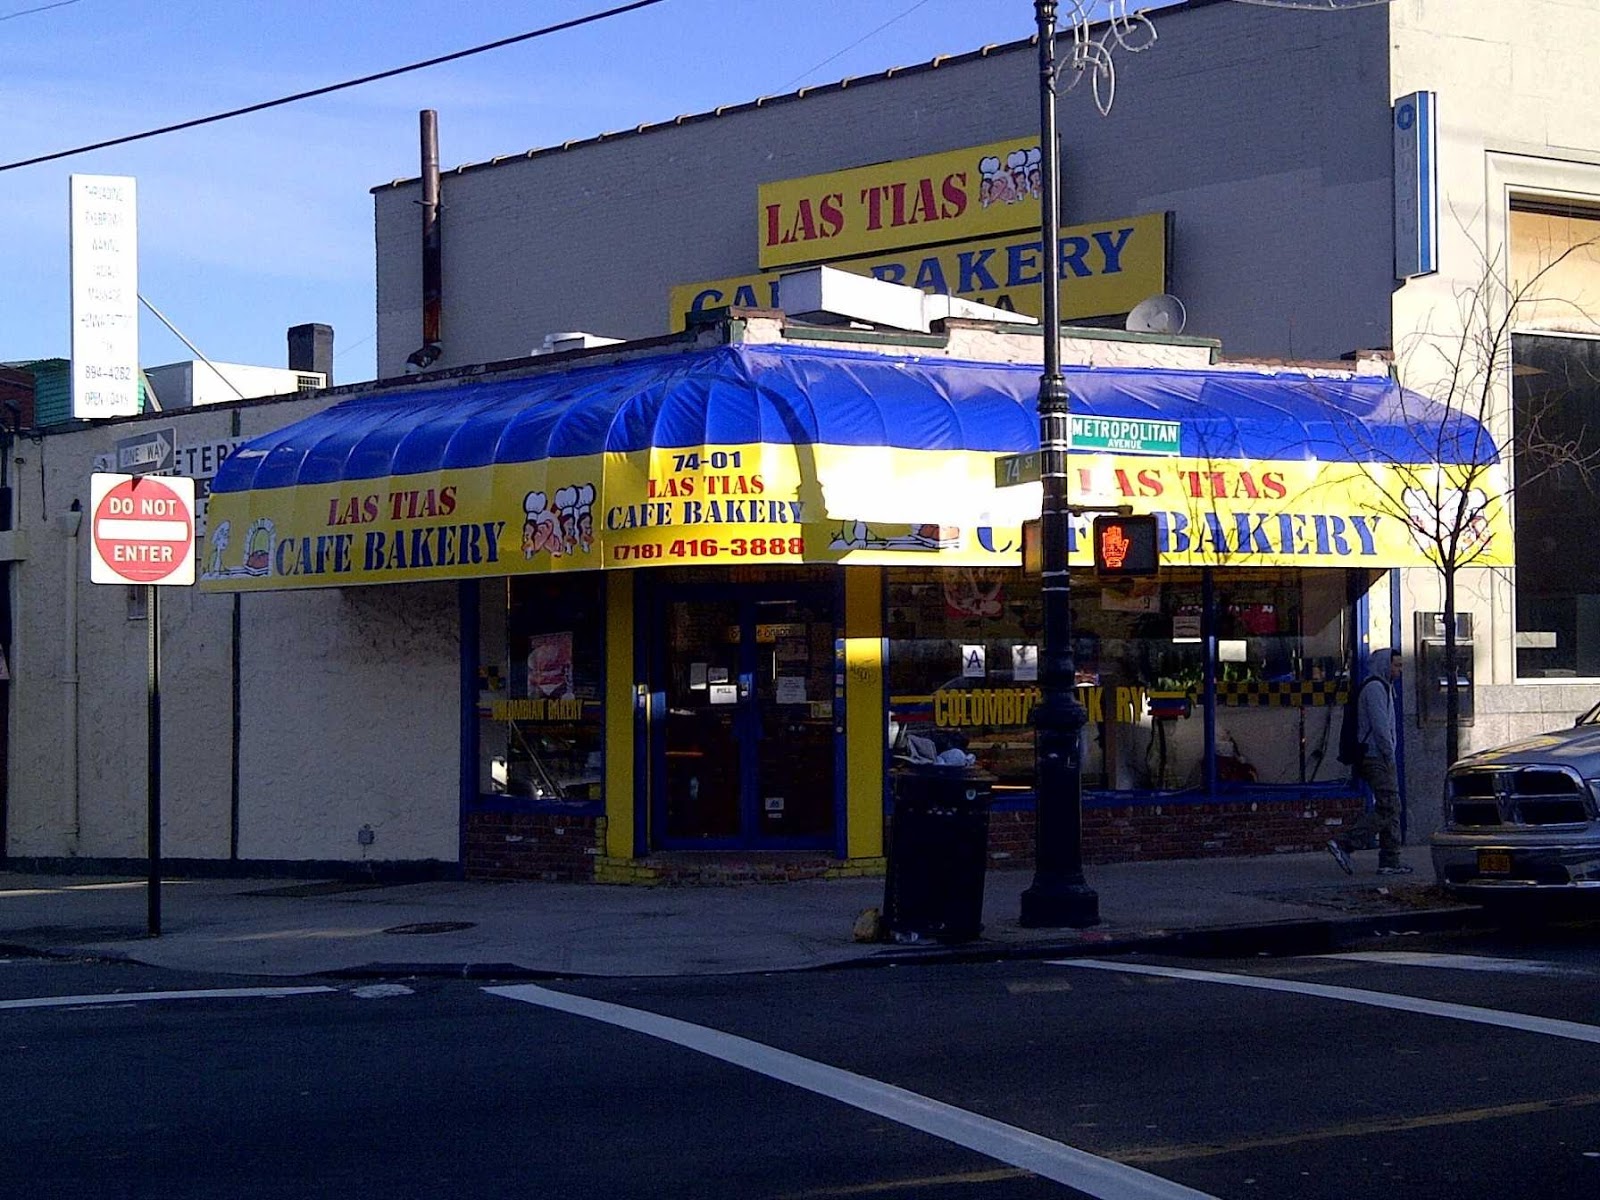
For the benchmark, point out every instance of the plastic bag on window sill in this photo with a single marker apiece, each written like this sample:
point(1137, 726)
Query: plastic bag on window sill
point(923, 750)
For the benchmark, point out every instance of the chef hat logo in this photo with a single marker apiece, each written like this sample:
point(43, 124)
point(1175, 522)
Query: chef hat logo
point(1017, 160)
point(1453, 510)
point(533, 504)
point(989, 164)
point(1035, 157)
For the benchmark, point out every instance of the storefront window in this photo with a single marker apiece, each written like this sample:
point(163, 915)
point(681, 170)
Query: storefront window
point(964, 661)
point(540, 689)
point(1556, 388)
point(1280, 651)
point(1555, 379)
point(964, 673)
point(964, 667)
point(1140, 669)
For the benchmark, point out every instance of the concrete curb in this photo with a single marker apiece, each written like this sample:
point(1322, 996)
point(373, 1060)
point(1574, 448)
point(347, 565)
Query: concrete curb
point(1276, 938)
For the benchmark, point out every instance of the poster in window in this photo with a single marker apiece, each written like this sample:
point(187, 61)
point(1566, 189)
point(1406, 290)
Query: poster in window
point(550, 666)
point(1024, 663)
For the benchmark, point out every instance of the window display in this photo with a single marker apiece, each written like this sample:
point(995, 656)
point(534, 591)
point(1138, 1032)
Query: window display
point(964, 666)
point(1281, 651)
point(540, 689)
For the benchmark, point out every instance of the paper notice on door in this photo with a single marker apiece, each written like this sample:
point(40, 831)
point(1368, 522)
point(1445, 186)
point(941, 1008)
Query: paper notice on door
point(697, 676)
point(717, 675)
point(1024, 663)
point(791, 689)
point(724, 693)
point(972, 662)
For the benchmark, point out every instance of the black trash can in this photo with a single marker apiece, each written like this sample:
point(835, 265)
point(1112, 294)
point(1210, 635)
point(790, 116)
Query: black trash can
point(938, 851)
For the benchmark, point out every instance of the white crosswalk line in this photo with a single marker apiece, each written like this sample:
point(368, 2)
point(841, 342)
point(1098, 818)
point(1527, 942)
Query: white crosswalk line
point(1434, 1008)
point(1456, 962)
point(144, 997)
point(381, 991)
point(1089, 1173)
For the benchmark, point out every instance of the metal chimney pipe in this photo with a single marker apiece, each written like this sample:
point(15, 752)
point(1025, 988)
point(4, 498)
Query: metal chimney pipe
point(432, 247)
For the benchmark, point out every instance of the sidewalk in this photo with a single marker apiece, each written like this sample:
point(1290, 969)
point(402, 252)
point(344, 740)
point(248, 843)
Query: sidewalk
point(277, 927)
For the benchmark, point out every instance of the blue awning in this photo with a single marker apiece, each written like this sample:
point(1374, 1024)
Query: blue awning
point(747, 394)
point(802, 454)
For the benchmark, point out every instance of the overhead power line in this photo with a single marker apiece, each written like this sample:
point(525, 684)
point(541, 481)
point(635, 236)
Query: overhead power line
point(841, 53)
point(335, 87)
point(28, 12)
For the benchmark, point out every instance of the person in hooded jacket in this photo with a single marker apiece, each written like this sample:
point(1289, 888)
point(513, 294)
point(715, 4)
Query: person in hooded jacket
point(1376, 733)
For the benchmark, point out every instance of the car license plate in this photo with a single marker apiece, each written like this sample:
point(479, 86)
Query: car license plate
point(1494, 862)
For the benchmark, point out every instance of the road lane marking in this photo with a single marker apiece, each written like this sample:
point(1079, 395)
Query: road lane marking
point(1164, 1154)
point(884, 1186)
point(1549, 1026)
point(1089, 1173)
point(21, 893)
point(1455, 962)
point(1024, 987)
point(141, 997)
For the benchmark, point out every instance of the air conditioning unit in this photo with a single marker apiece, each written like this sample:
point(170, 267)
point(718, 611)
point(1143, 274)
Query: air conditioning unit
point(561, 343)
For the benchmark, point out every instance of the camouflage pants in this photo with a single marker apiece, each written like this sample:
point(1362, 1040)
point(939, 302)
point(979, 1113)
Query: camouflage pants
point(1381, 823)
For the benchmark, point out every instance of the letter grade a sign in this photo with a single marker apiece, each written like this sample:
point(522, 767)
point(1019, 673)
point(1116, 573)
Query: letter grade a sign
point(142, 529)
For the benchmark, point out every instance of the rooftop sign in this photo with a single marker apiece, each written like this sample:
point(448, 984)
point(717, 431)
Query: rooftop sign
point(942, 197)
point(1106, 268)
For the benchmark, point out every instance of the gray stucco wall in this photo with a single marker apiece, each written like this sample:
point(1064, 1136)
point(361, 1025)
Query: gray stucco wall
point(348, 700)
point(1265, 131)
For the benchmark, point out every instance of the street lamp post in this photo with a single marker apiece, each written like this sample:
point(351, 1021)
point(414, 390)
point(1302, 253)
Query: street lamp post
point(1059, 895)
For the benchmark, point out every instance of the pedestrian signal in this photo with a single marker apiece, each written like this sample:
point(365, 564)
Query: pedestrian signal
point(1125, 546)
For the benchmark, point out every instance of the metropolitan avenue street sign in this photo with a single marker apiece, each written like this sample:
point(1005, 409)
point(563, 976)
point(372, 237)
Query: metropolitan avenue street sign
point(142, 530)
point(1107, 435)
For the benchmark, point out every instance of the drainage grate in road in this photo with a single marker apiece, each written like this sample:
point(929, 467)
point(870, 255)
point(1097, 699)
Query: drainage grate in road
point(432, 927)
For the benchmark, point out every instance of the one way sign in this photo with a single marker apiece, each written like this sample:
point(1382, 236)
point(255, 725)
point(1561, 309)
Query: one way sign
point(147, 453)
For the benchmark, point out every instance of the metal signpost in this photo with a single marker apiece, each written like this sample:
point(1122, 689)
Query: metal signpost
point(1059, 894)
point(142, 532)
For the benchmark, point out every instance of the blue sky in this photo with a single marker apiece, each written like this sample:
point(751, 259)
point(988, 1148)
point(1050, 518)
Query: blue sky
point(251, 225)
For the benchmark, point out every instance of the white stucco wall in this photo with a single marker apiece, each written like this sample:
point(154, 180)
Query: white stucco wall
point(348, 703)
point(1517, 105)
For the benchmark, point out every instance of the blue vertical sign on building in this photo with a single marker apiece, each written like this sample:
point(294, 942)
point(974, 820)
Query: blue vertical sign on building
point(1416, 185)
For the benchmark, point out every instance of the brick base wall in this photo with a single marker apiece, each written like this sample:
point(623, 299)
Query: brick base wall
point(1154, 831)
point(563, 849)
point(544, 846)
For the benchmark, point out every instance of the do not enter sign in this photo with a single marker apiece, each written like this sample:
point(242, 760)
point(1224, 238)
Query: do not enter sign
point(143, 529)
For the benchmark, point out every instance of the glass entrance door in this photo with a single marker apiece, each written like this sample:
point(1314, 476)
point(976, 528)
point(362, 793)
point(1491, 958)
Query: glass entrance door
point(744, 752)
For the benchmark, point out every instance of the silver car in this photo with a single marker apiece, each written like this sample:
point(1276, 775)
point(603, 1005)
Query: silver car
point(1524, 818)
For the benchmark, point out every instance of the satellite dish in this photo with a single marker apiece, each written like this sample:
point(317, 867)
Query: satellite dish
point(1156, 314)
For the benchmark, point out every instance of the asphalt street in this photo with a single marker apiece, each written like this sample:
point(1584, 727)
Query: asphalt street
point(1457, 1067)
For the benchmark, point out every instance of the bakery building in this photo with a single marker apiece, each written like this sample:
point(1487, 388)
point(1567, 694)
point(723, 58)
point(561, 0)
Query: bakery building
point(589, 614)
point(676, 608)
